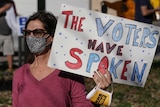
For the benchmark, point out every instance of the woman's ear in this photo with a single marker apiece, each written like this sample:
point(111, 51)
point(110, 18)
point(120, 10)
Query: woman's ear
point(52, 38)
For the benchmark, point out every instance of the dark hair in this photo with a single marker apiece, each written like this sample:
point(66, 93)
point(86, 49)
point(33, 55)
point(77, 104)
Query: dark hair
point(47, 18)
point(49, 23)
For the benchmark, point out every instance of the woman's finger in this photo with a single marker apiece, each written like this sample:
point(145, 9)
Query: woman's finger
point(103, 80)
point(95, 78)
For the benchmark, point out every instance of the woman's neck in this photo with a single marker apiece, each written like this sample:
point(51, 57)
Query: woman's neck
point(41, 60)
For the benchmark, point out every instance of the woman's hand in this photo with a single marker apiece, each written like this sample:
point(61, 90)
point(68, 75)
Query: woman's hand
point(103, 80)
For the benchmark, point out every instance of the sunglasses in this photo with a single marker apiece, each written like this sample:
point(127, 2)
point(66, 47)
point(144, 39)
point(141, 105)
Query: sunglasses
point(36, 32)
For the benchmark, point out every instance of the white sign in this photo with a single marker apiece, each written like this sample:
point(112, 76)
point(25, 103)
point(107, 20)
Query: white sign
point(87, 40)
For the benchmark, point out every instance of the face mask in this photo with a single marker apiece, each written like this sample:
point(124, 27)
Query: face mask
point(100, 96)
point(36, 45)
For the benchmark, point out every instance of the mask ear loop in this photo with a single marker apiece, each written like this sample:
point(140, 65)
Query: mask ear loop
point(46, 39)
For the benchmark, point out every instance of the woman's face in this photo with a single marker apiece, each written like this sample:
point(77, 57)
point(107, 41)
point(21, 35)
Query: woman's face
point(37, 37)
point(35, 25)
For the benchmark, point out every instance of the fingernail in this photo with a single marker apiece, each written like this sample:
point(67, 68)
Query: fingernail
point(105, 75)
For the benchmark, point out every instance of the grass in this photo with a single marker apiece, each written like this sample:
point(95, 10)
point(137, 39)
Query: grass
point(129, 96)
point(124, 95)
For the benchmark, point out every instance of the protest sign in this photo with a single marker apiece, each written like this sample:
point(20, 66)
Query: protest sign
point(86, 40)
point(21, 21)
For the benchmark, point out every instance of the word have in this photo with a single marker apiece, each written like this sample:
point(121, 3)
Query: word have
point(100, 47)
point(103, 63)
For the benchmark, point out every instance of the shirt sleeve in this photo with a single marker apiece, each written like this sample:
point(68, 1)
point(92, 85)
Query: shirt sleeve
point(14, 92)
point(17, 85)
point(78, 94)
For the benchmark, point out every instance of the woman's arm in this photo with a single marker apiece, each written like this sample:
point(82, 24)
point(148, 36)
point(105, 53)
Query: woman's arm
point(146, 11)
point(5, 7)
point(78, 93)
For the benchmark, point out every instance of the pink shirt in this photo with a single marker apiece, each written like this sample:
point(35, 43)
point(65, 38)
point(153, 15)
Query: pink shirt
point(59, 89)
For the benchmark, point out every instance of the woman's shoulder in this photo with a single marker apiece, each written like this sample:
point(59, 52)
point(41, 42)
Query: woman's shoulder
point(21, 70)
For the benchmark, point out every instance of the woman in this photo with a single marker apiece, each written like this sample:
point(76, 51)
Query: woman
point(37, 85)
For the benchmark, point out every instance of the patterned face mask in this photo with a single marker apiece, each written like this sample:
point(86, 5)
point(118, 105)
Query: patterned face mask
point(36, 45)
